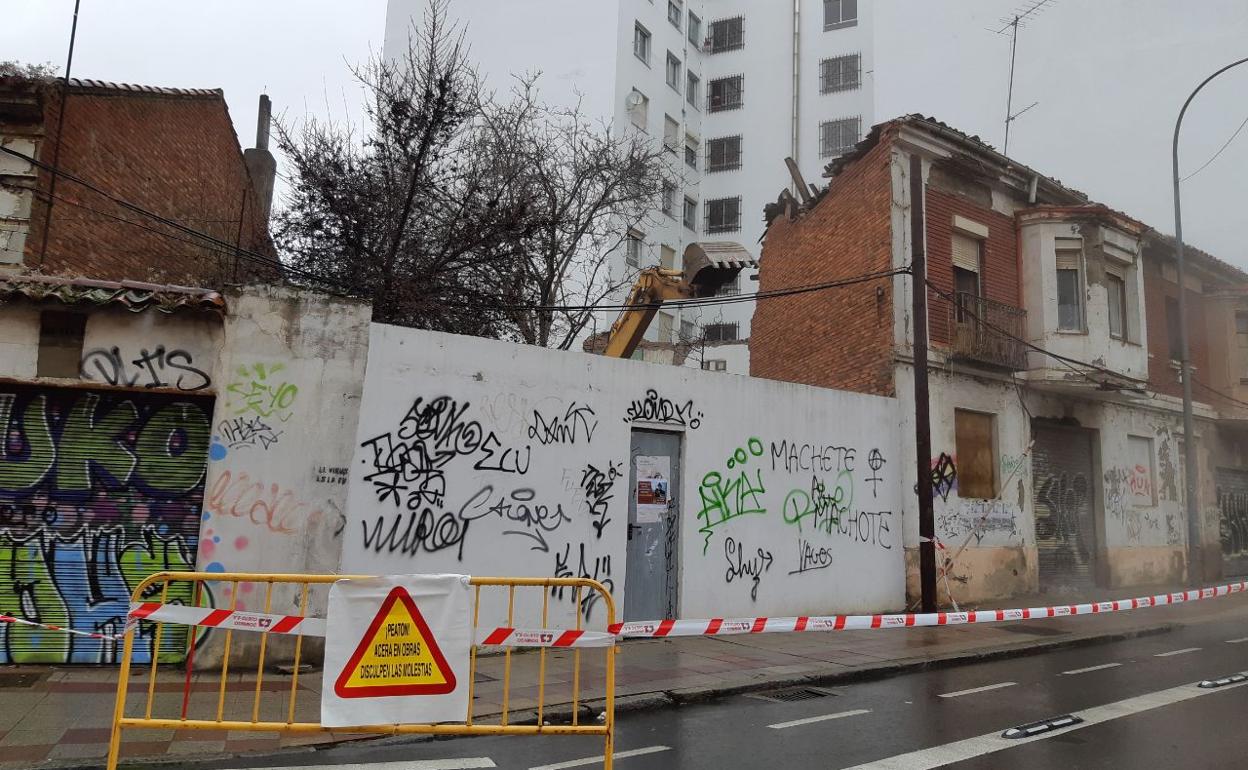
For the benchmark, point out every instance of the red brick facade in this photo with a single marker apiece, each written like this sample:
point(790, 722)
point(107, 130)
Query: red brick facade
point(1162, 376)
point(999, 279)
point(174, 153)
point(841, 337)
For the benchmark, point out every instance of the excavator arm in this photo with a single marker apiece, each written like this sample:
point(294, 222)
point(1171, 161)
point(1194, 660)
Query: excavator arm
point(708, 266)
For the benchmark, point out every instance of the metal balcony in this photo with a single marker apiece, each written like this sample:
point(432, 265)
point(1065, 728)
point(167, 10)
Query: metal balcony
point(987, 332)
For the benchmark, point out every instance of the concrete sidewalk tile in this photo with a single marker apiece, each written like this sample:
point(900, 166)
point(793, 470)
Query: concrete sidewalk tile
point(78, 750)
point(252, 744)
point(86, 735)
point(36, 752)
point(143, 748)
point(180, 747)
point(35, 737)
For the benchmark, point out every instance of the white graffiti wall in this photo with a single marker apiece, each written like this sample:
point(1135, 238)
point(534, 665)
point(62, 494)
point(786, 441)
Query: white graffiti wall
point(489, 458)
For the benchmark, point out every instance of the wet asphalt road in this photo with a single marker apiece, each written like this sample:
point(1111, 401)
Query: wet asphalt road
point(1156, 723)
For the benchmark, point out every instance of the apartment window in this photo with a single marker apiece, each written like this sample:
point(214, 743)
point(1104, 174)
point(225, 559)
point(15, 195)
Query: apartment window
point(730, 289)
point(667, 256)
point(727, 34)
point(1141, 472)
point(691, 156)
point(664, 326)
point(692, 89)
point(691, 213)
point(671, 133)
point(632, 248)
point(720, 332)
point(723, 215)
point(669, 198)
point(715, 365)
point(641, 43)
point(840, 74)
point(695, 30)
point(1241, 337)
point(977, 463)
point(839, 13)
point(675, 12)
point(638, 108)
point(688, 331)
point(1116, 290)
point(967, 264)
point(723, 154)
point(838, 136)
point(725, 93)
point(1174, 334)
point(673, 71)
point(60, 344)
point(1069, 290)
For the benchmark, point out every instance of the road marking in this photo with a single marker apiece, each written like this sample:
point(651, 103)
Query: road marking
point(1176, 652)
point(1101, 667)
point(599, 758)
point(1240, 640)
point(823, 718)
point(973, 690)
point(960, 751)
point(464, 763)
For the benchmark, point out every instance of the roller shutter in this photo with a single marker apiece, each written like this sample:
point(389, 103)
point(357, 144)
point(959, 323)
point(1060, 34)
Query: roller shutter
point(1063, 497)
point(98, 489)
point(1232, 488)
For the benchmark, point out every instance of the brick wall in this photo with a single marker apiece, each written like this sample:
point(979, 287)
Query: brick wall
point(842, 337)
point(1162, 377)
point(174, 154)
point(999, 280)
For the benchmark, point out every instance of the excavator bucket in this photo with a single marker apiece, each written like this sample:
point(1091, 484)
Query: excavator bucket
point(708, 266)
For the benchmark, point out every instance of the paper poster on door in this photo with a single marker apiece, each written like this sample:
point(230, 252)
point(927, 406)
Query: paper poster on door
point(653, 492)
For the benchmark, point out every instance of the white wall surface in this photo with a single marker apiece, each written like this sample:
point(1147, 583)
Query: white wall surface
point(415, 478)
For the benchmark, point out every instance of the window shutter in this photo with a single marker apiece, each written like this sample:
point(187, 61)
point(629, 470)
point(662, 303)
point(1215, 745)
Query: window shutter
point(1067, 259)
point(965, 253)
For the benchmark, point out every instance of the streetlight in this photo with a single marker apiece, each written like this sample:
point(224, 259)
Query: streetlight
point(1185, 364)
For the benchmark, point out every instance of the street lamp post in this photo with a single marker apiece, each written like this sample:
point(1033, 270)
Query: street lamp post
point(1185, 363)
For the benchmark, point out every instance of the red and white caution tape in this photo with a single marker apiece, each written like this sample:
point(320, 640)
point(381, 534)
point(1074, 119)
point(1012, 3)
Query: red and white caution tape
point(235, 619)
point(727, 626)
point(50, 627)
point(544, 637)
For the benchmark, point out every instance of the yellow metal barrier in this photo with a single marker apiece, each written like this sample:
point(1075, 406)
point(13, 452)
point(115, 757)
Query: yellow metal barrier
point(304, 584)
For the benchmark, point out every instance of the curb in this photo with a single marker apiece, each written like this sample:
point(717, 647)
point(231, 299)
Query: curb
point(631, 702)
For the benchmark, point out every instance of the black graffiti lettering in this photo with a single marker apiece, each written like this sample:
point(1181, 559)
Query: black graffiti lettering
point(656, 408)
point(425, 531)
point(740, 567)
point(944, 477)
point(248, 432)
point(875, 461)
point(597, 486)
point(152, 369)
point(517, 507)
point(824, 458)
point(810, 557)
point(508, 461)
point(576, 423)
point(823, 510)
point(598, 569)
point(869, 527)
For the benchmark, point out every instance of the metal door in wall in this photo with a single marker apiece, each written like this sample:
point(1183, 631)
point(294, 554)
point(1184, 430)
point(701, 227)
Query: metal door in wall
point(1063, 491)
point(98, 490)
point(1232, 489)
point(653, 526)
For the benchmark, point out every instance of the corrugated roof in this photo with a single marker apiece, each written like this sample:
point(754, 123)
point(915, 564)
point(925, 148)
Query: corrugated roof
point(132, 295)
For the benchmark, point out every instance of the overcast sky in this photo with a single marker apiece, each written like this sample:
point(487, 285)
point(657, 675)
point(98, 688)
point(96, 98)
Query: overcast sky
point(1109, 76)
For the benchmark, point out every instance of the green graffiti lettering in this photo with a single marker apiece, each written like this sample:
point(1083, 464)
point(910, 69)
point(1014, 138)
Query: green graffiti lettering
point(27, 591)
point(20, 475)
point(96, 443)
point(171, 447)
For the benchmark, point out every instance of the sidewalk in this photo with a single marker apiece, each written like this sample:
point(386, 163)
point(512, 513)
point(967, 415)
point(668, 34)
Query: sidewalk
point(59, 716)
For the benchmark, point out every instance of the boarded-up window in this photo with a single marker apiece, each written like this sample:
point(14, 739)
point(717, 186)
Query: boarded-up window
point(1141, 473)
point(977, 465)
point(60, 343)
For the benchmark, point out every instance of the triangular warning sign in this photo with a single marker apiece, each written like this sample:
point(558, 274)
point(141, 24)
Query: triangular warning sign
point(397, 656)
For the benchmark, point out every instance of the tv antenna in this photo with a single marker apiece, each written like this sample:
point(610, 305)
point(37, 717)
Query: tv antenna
point(1020, 18)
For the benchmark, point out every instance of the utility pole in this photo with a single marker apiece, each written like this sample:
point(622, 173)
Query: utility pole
point(922, 407)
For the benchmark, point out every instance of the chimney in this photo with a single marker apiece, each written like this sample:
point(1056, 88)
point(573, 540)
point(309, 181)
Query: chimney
point(260, 163)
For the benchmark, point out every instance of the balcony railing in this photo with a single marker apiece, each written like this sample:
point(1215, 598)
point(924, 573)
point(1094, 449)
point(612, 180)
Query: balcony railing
point(987, 332)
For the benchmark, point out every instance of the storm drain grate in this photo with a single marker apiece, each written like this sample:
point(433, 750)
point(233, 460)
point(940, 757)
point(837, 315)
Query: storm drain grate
point(1035, 630)
point(11, 681)
point(791, 694)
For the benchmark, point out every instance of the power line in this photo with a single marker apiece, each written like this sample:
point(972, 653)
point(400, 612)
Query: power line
point(1219, 152)
point(1219, 393)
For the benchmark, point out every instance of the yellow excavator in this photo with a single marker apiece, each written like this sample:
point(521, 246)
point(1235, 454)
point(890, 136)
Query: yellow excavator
point(707, 268)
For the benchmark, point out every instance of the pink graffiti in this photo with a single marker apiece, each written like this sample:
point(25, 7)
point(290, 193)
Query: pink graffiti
point(1140, 481)
point(266, 505)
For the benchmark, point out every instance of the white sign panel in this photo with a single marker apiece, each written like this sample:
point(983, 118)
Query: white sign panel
point(396, 651)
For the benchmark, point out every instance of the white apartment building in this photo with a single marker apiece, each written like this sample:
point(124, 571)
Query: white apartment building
point(731, 88)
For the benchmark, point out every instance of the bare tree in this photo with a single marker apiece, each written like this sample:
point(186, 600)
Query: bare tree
point(458, 212)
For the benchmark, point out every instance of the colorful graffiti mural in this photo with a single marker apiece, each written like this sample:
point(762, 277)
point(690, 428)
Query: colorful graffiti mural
point(97, 491)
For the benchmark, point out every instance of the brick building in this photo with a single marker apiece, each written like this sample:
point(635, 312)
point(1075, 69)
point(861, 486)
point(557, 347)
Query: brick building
point(1052, 322)
point(169, 151)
